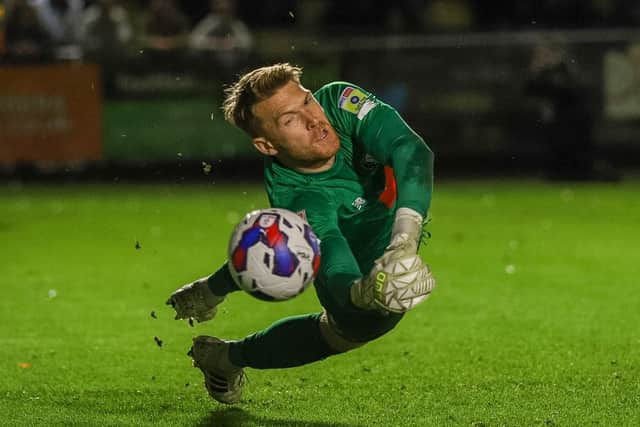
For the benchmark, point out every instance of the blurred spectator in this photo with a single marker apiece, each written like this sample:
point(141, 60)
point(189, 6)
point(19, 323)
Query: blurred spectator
point(448, 15)
point(62, 20)
point(166, 27)
point(105, 27)
point(406, 16)
point(309, 15)
point(105, 33)
point(356, 17)
point(223, 37)
point(27, 40)
point(279, 14)
point(375, 18)
point(566, 114)
point(3, 14)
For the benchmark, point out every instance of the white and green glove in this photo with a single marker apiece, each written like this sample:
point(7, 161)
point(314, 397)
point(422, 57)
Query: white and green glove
point(399, 280)
point(195, 300)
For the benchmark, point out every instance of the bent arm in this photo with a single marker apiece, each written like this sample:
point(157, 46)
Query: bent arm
point(394, 143)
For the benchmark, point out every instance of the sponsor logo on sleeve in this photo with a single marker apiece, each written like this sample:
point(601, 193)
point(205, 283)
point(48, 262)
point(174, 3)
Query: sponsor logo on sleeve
point(365, 108)
point(356, 102)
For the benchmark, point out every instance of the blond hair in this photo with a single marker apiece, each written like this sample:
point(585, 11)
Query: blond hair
point(253, 87)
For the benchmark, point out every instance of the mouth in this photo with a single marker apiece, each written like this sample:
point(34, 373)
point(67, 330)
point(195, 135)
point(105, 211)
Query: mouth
point(322, 135)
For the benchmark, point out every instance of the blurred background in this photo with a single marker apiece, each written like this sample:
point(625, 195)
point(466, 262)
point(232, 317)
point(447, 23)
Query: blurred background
point(108, 89)
point(532, 321)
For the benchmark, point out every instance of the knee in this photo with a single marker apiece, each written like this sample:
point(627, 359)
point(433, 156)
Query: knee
point(349, 335)
point(334, 337)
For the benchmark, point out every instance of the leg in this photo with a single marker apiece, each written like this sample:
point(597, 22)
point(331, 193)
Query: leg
point(300, 340)
point(290, 342)
point(355, 334)
point(293, 341)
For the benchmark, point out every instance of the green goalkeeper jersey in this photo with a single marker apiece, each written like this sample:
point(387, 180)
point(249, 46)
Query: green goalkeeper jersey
point(382, 165)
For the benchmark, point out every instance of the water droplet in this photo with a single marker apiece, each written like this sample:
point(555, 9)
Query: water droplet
point(489, 200)
point(233, 217)
point(156, 231)
point(206, 168)
point(567, 195)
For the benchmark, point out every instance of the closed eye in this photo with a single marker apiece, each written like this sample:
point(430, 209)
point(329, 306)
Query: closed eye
point(288, 117)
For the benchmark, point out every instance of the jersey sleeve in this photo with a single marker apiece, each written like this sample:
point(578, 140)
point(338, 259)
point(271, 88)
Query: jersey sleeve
point(338, 266)
point(387, 137)
point(221, 283)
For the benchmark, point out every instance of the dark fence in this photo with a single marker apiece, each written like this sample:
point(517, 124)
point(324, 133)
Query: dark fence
point(486, 100)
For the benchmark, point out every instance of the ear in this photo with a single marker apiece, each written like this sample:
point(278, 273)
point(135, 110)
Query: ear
point(264, 146)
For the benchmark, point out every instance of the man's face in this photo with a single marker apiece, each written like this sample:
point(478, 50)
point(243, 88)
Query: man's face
point(267, 220)
point(295, 130)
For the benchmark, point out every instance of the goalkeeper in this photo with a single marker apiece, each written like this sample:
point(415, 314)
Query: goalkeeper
point(351, 166)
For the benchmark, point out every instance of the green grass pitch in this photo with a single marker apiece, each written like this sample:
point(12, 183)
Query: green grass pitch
point(535, 320)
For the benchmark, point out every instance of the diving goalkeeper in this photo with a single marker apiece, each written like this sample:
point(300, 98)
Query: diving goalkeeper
point(362, 178)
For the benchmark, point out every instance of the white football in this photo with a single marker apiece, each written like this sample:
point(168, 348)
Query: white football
point(273, 254)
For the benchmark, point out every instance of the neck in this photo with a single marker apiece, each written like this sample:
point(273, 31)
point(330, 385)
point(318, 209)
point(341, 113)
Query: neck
point(317, 167)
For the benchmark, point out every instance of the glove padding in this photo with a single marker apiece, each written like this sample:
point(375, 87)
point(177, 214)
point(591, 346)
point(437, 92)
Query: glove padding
point(401, 247)
point(398, 281)
point(195, 300)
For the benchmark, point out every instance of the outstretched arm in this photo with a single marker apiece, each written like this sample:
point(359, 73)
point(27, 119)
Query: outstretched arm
point(199, 299)
point(390, 139)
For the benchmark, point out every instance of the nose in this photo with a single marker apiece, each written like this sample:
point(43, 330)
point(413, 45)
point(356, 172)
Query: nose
point(312, 120)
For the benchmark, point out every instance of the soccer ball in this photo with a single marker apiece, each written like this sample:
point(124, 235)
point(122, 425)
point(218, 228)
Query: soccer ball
point(273, 254)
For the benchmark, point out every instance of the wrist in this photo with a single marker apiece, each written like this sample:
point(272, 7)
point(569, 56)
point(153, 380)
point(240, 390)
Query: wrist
point(407, 221)
point(221, 282)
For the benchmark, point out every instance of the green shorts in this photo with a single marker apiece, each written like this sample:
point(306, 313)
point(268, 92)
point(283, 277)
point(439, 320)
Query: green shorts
point(351, 322)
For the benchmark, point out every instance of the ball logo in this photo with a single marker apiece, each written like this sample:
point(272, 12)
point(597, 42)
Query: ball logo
point(267, 220)
point(265, 230)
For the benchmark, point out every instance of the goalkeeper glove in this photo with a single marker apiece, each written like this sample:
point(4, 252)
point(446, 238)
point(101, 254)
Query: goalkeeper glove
point(399, 280)
point(395, 287)
point(195, 300)
point(408, 223)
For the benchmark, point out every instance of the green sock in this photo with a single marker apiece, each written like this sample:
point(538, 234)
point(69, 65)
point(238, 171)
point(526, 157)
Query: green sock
point(292, 341)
